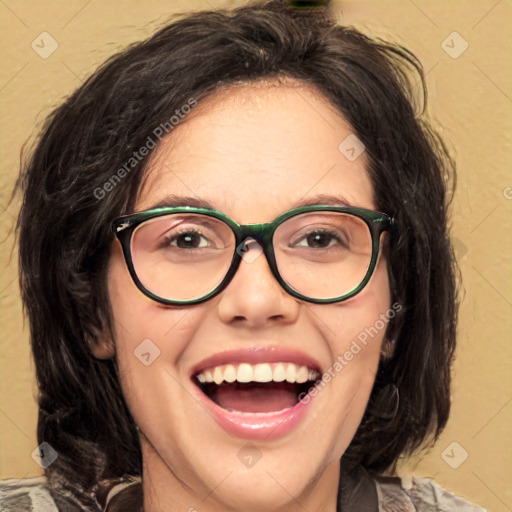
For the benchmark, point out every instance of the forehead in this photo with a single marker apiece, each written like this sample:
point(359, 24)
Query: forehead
point(258, 148)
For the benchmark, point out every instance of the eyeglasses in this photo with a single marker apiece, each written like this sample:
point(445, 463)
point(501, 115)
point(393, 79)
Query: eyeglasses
point(186, 255)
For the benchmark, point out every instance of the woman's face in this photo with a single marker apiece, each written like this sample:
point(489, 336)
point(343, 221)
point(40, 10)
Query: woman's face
point(253, 153)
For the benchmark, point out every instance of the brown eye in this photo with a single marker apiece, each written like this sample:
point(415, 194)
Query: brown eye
point(189, 240)
point(319, 239)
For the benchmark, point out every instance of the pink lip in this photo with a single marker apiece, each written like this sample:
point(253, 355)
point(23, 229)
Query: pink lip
point(254, 355)
point(253, 426)
point(246, 425)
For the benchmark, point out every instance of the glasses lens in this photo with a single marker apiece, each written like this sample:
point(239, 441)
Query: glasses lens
point(323, 255)
point(182, 256)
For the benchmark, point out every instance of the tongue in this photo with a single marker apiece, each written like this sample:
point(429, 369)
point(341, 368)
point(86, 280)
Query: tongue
point(255, 397)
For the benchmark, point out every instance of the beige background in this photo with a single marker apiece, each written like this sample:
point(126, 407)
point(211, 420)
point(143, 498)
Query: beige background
point(471, 103)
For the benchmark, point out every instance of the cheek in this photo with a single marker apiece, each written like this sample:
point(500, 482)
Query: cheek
point(150, 342)
point(356, 330)
point(136, 317)
point(361, 321)
point(145, 333)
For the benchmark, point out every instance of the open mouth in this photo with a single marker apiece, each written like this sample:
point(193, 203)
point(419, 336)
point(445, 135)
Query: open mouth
point(261, 388)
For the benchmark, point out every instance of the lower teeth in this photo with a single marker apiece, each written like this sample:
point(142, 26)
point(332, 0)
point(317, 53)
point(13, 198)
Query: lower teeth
point(261, 414)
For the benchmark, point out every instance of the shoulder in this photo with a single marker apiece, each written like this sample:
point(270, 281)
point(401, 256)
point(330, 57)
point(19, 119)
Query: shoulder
point(26, 495)
point(33, 495)
point(419, 495)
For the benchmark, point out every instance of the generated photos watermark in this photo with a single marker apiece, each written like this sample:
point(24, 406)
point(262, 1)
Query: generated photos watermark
point(158, 133)
point(355, 348)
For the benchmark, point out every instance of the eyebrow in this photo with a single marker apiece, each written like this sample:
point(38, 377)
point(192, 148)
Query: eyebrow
point(175, 200)
point(327, 199)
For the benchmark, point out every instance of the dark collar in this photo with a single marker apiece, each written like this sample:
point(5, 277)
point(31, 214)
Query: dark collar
point(357, 491)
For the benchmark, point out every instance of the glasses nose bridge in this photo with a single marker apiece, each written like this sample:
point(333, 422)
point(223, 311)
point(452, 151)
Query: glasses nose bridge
point(262, 233)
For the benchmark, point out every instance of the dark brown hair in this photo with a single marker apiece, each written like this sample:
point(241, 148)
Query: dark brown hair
point(65, 229)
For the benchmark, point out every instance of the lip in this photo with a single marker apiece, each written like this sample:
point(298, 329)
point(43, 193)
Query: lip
point(261, 426)
point(255, 355)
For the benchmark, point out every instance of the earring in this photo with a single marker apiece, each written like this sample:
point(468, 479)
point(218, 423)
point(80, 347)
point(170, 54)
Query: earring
point(387, 349)
point(100, 347)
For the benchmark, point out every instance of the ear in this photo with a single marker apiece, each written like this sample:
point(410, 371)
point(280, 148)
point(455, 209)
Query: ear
point(102, 347)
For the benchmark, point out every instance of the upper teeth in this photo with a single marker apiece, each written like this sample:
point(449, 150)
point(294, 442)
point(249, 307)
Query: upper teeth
point(262, 372)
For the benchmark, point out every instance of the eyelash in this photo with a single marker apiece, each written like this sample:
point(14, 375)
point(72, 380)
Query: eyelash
point(332, 234)
point(169, 239)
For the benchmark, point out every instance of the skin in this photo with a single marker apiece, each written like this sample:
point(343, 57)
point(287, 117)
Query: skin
point(269, 146)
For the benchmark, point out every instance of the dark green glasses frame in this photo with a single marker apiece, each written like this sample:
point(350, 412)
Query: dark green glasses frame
point(377, 222)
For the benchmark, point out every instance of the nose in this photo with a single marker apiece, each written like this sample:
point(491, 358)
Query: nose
point(254, 298)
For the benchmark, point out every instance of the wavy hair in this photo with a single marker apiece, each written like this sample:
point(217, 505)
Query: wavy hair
point(65, 230)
